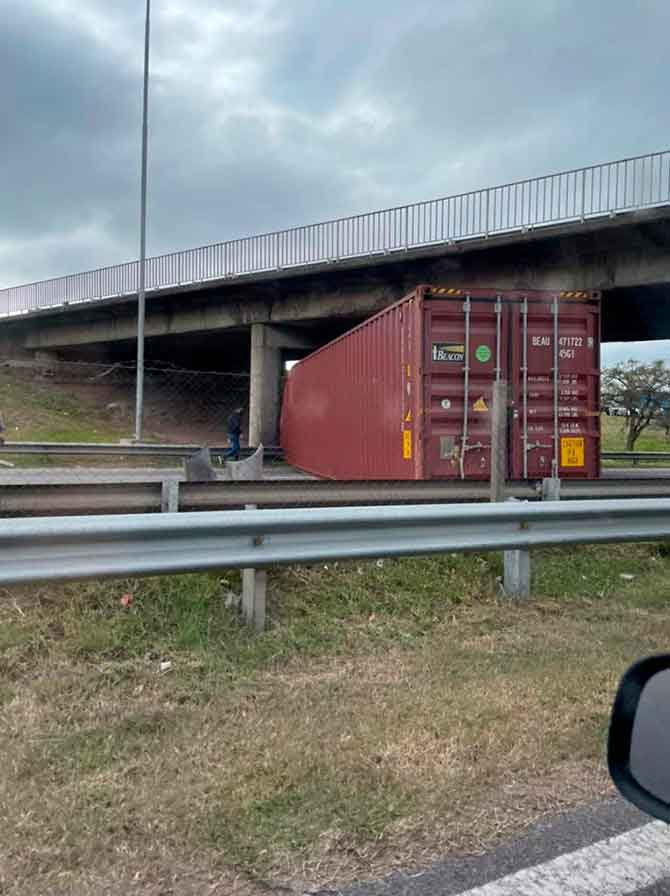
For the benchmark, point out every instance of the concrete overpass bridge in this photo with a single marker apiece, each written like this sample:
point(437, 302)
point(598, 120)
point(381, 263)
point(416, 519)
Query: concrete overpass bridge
point(250, 303)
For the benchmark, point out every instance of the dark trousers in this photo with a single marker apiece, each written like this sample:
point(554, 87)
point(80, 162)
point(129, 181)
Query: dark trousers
point(233, 452)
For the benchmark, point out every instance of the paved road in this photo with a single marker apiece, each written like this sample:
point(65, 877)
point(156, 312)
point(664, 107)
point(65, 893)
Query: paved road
point(115, 475)
point(636, 473)
point(609, 849)
point(74, 474)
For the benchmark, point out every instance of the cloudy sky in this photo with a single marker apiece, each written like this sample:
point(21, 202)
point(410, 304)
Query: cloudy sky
point(270, 113)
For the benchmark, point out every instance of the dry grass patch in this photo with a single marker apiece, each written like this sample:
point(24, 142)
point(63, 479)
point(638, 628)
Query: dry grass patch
point(386, 718)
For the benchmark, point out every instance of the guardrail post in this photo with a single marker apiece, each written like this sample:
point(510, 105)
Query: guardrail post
point(499, 441)
point(516, 572)
point(551, 489)
point(170, 496)
point(516, 580)
point(254, 590)
point(254, 587)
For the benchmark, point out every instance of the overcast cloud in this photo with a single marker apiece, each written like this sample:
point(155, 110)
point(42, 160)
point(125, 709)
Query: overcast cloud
point(270, 113)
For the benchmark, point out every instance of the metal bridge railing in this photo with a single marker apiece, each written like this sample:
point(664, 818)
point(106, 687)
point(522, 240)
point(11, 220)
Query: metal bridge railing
point(569, 196)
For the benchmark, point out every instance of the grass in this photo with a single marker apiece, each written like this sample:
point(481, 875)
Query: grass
point(614, 430)
point(36, 411)
point(392, 713)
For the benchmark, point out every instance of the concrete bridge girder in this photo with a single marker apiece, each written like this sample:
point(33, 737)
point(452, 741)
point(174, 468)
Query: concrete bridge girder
point(603, 259)
point(221, 315)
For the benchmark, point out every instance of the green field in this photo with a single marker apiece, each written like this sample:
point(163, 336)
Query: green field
point(614, 439)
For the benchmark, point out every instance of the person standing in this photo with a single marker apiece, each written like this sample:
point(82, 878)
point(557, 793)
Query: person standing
point(2, 430)
point(234, 433)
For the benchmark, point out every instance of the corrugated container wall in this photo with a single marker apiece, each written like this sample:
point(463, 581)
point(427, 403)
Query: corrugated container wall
point(407, 394)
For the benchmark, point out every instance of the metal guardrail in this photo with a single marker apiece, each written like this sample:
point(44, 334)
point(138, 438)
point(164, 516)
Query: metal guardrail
point(101, 449)
point(39, 499)
point(92, 547)
point(274, 452)
point(637, 457)
point(569, 196)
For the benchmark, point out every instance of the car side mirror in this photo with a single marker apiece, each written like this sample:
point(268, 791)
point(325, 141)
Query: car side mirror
point(638, 749)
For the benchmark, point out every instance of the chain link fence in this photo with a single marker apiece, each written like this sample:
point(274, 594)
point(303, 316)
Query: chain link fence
point(58, 402)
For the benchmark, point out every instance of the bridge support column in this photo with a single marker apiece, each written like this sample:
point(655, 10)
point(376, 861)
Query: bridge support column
point(264, 386)
point(267, 345)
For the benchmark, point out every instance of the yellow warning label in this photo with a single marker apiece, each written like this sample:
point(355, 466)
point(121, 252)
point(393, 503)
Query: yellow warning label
point(407, 444)
point(480, 405)
point(572, 452)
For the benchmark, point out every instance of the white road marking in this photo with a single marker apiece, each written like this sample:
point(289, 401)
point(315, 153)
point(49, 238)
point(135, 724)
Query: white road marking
point(614, 867)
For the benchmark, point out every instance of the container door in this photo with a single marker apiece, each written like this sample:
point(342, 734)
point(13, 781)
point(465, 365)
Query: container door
point(555, 373)
point(464, 342)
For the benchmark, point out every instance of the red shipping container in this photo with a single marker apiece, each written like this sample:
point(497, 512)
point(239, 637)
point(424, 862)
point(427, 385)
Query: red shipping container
point(407, 394)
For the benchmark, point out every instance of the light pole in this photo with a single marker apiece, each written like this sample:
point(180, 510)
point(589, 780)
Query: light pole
point(139, 398)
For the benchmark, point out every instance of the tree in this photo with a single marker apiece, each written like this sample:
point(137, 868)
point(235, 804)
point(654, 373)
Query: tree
point(663, 420)
point(642, 389)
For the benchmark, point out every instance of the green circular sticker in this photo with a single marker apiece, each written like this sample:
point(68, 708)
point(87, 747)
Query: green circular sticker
point(483, 353)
